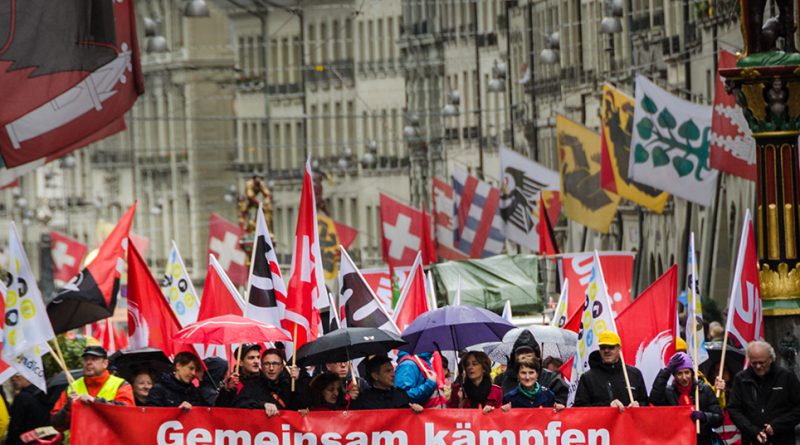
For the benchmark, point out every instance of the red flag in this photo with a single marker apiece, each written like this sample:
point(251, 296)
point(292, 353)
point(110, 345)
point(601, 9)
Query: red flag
point(648, 326)
point(547, 239)
point(617, 270)
point(92, 294)
point(6, 371)
point(151, 322)
point(111, 338)
point(732, 147)
point(223, 243)
point(413, 301)
point(220, 296)
point(745, 320)
point(346, 234)
point(67, 255)
point(574, 322)
point(404, 232)
point(79, 75)
point(566, 369)
point(306, 285)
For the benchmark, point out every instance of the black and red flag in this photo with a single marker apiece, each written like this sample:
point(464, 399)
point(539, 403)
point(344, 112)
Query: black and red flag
point(92, 294)
point(69, 70)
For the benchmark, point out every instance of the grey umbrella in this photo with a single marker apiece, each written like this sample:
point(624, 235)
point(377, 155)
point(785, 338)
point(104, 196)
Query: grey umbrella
point(553, 342)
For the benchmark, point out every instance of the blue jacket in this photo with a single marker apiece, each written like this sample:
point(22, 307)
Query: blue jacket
point(545, 398)
point(409, 378)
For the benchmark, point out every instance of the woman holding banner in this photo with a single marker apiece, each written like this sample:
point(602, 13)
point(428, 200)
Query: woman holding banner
point(476, 389)
point(682, 393)
point(176, 389)
point(528, 393)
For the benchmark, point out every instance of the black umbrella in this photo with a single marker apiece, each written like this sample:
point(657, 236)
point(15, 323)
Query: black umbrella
point(734, 359)
point(58, 383)
point(345, 344)
point(129, 363)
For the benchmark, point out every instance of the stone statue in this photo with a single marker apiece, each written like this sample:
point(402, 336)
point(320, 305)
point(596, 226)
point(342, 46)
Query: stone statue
point(249, 201)
point(760, 36)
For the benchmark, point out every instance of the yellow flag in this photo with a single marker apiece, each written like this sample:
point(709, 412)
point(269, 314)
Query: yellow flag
point(616, 152)
point(328, 245)
point(585, 201)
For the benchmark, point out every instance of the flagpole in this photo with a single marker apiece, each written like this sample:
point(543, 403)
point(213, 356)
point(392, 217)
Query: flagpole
point(625, 374)
point(59, 357)
point(294, 352)
point(722, 359)
point(693, 314)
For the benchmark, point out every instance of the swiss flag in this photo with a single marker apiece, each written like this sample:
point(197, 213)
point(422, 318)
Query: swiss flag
point(414, 300)
point(79, 75)
point(223, 242)
point(151, 322)
point(648, 326)
point(617, 271)
point(220, 296)
point(91, 295)
point(405, 231)
point(67, 255)
point(306, 290)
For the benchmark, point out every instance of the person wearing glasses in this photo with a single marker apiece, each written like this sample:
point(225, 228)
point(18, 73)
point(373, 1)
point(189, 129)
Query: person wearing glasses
point(604, 384)
point(765, 399)
point(271, 390)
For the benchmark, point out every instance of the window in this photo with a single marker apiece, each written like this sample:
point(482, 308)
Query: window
point(362, 56)
point(392, 43)
point(337, 41)
point(323, 43)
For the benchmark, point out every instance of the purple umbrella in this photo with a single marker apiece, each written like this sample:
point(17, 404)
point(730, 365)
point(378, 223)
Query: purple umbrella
point(453, 328)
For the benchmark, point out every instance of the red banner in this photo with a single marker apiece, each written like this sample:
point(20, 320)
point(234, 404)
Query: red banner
point(96, 424)
point(617, 270)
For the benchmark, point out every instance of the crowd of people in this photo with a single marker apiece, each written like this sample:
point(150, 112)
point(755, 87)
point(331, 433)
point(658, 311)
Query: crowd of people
point(763, 400)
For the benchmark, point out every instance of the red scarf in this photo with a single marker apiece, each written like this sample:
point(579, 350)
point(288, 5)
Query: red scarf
point(684, 395)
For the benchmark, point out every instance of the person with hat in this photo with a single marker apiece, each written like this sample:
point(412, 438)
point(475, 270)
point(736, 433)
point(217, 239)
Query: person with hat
point(96, 385)
point(604, 384)
point(526, 348)
point(682, 393)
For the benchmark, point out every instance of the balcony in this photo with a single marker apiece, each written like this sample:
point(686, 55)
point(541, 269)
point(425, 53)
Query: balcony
point(337, 70)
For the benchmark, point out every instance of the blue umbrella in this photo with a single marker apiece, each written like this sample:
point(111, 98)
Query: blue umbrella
point(453, 328)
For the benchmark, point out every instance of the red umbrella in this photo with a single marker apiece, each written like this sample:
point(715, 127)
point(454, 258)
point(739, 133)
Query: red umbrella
point(230, 329)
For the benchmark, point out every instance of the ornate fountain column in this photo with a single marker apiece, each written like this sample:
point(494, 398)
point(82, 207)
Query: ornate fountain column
point(766, 84)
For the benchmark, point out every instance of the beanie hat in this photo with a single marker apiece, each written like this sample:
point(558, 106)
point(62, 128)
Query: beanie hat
point(686, 362)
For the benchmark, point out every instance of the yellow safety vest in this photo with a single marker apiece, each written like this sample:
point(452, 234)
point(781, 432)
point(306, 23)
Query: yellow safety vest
point(107, 392)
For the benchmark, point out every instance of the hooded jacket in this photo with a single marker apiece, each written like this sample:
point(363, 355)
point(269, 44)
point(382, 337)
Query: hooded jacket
point(409, 378)
point(30, 410)
point(664, 395)
point(603, 383)
point(171, 392)
point(374, 398)
point(773, 399)
point(550, 380)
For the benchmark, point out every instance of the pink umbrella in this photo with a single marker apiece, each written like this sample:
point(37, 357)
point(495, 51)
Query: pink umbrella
point(230, 329)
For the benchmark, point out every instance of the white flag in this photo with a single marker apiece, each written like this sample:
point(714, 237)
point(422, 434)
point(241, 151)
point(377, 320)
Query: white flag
point(266, 290)
point(670, 145)
point(507, 311)
point(178, 289)
point(597, 313)
point(26, 322)
point(29, 363)
point(694, 339)
point(560, 314)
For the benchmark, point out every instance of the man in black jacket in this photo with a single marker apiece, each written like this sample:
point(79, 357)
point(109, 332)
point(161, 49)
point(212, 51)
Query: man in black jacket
point(270, 390)
point(604, 384)
point(30, 410)
point(526, 348)
point(765, 399)
point(682, 393)
point(382, 394)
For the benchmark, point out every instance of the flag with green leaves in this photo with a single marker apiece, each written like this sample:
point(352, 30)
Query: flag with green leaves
point(671, 144)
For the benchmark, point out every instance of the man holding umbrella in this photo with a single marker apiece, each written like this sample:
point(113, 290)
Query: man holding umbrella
point(96, 385)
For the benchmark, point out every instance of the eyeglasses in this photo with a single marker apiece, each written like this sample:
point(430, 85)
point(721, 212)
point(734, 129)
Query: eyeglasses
point(272, 364)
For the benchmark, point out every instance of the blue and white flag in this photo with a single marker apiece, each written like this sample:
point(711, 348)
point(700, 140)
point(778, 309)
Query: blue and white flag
point(695, 340)
point(478, 228)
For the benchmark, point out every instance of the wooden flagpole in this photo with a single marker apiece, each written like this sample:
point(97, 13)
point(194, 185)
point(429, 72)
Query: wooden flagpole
point(625, 374)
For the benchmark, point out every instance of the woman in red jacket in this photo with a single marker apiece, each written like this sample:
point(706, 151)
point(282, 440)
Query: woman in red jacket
point(475, 389)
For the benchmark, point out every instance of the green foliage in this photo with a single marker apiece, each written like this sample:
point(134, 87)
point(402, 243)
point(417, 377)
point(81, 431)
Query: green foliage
point(72, 349)
point(641, 155)
point(689, 130)
point(683, 166)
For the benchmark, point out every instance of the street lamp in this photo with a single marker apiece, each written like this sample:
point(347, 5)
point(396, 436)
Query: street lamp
point(549, 54)
point(370, 159)
point(196, 8)
point(611, 23)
